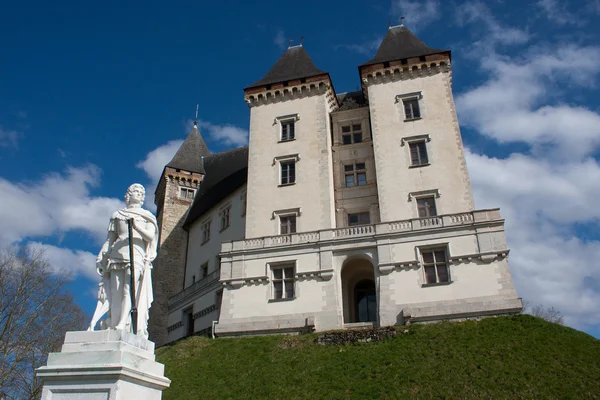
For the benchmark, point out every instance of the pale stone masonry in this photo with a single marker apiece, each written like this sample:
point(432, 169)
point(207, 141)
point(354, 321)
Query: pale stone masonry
point(345, 210)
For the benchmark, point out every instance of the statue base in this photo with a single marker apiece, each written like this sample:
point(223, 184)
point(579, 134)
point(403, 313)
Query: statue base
point(103, 365)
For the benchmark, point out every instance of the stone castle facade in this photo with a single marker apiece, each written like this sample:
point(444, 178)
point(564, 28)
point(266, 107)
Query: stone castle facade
point(345, 210)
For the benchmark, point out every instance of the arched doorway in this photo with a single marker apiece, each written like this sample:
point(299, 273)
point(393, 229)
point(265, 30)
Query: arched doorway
point(359, 294)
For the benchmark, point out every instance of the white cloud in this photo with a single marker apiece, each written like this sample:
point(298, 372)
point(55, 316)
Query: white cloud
point(228, 135)
point(367, 48)
point(518, 103)
point(9, 138)
point(418, 13)
point(475, 12)
point(279, 39)
point(155, 161)
point(557, 12)
point(540, 201)
point(55, 204)
point(76, 262)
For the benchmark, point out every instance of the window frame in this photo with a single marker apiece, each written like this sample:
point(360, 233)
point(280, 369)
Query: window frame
point(225, 217)
point(287, 162)
point(351, 134)
point(187, 190)
point(419, 161)
point(422, 198)
point(203, 270)
point(289, 224)
point(434, 250)
point(289, 119)
point(410, 97)
point(283, 267)
point(206, 228)
point(358, 214)
point(354, 173)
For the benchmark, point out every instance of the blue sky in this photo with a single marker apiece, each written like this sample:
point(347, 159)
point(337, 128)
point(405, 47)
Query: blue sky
point(94, 97)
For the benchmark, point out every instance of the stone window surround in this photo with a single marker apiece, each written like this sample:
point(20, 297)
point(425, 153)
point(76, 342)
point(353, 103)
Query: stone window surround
point(354, 172)
point(399, 99)
point(290, 157)
point(270, 266)
point(285, 213)
point(183, 193)
point(347, 214)
point(282, 119)
point(429, 247)
point(338, 141)
point(206, 226)
point(424, 193)
point(222, 210)
point(416, 139)
point(243, 203)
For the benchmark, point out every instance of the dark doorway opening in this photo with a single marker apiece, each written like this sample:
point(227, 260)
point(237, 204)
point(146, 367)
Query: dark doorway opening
point(366, 301)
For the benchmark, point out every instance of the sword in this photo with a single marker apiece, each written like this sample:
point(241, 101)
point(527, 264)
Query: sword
point(132, 278)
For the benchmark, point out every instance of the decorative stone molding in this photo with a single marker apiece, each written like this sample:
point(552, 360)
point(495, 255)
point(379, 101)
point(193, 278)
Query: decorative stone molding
point(486, 257)
point(403, 72)
point(174, 326)
point(287, 211)
point(423, 193)
point(236, 283)
point(387, 268)
point(294, 157)
point(325, 274)
point(415, 138)
point(297, 89)
point(412, 95)
point(288, 117)
point(205, 311)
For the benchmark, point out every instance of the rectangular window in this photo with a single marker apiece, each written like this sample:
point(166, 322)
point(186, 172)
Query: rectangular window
point(187, 193)
point(204, 270)
point(426, 207)
point(435, 265)
point(288, 130)
point(411, 108)
point(352, 134)
point(355, 175)
point(418, 153)
point(224, 215)
point(206, 232)
point(217, 263)
point(283, 282)
point(288, 172)
point(244, 203)
point(359, 219)
point(287, 224)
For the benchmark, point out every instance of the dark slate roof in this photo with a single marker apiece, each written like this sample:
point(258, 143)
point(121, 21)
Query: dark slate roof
point(225, 172)
point(189, 156)
point(295, 63)
point(399, 43)
point(351, 100)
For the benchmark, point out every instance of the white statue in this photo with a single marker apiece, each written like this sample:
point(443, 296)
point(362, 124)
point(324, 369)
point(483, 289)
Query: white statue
point(113, 265)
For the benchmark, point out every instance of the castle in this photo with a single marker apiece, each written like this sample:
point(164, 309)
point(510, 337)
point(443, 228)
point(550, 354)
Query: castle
point(345, 210)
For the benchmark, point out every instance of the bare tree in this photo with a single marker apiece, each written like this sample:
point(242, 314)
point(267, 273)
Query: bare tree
point(550, 314)
point(35, 313)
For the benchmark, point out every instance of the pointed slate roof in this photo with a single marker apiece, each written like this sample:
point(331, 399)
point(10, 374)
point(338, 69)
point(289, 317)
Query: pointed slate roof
point(295, 63)
point(189, 156)
point(400, 43)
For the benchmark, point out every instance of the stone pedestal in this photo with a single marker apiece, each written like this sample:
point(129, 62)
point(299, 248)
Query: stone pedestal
point(103, 365)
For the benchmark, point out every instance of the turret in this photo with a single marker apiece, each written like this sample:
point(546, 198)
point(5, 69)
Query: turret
point(174, 195)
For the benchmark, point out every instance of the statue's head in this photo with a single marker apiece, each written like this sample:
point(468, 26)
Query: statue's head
point(135, 194)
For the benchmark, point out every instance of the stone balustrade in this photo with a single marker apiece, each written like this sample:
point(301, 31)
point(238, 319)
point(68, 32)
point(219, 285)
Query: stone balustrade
point(196, 286)
point(410, 225)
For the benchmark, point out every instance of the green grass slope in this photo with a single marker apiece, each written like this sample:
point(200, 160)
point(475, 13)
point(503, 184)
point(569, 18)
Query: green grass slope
point(495, 358)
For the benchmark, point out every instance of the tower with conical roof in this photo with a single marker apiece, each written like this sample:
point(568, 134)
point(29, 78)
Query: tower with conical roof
point(408, 86)
point(290, 145)
point(174, 195)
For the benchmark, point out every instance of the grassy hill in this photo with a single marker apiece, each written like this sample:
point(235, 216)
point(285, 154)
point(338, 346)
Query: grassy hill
point(506, 357)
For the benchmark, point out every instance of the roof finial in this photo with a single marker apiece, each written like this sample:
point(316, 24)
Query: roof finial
point(402, 21)
point(389, 23)
point(301, 39)
point(290, 42)
point(196, 119)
